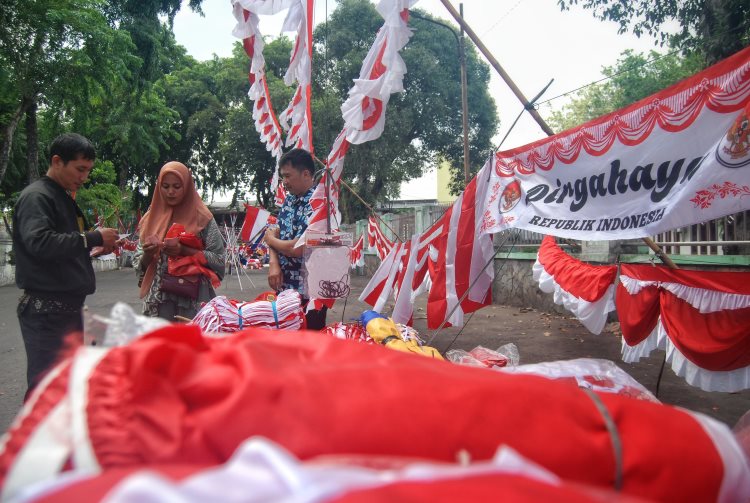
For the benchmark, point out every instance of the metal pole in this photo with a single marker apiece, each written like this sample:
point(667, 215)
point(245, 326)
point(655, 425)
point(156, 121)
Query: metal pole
point(327, 174)
point(498, 68)
point(528, 106)
point(464, 99)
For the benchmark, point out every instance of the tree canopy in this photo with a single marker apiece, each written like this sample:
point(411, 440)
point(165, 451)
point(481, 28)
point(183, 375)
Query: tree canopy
point(113, 72)
point(713, 29)
point(632, 78)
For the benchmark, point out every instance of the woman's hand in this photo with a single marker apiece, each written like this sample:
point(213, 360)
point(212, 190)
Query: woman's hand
point(151, 247)
point(172, 247)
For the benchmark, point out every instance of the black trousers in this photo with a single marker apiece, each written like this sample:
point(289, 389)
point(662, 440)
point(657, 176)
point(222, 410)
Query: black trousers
point(316, 319)
point(43, 336)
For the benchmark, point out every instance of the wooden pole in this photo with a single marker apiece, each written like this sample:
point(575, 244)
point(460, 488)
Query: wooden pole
point(372, 210)
point(660, 253)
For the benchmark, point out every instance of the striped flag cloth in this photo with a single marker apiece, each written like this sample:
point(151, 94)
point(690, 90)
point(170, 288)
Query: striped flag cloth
point(255, 219)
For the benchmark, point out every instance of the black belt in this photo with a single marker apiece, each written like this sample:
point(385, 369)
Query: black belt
point(68, 299)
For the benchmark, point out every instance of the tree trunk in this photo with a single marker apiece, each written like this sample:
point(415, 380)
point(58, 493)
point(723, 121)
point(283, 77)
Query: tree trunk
point(123, 182)
point(8, 228)
point(8, 132)
point(32, 144)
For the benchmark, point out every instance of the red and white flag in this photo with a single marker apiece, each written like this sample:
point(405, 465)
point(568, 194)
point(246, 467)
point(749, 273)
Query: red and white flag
point(462, 265)
point(255, 219)
point(380, 287)
point(279, 192)
point(297, 118)
point(413, 279)
point(676, 158)
point(376, 239)
point(357, 255)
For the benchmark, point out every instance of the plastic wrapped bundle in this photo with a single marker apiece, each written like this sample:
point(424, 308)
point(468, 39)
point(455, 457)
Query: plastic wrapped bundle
point(223, 315)
point(399, 337)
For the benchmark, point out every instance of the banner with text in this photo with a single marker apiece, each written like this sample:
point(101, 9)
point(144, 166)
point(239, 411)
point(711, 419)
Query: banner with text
point(679, 157)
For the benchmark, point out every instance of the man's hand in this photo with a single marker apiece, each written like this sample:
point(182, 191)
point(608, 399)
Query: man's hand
point(109, 237)
point(275, 276)
point(271, 234)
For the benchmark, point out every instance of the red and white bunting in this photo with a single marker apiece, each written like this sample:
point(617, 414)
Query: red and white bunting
point(264, 117)
point(376, 239)
point(357, 253)
point(585, 290)
point(268, 7)
point(676, 158)
point(700, 318)
point(382, 74)
point(296, 118)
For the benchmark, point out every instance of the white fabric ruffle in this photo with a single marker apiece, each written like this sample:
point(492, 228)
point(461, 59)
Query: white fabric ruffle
point(702, 299)
point(707, 380)
point(593, 315)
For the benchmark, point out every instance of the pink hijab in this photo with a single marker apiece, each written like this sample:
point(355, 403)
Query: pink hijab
point(192, 212)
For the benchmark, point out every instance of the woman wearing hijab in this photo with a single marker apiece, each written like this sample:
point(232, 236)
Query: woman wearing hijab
point(176, 201)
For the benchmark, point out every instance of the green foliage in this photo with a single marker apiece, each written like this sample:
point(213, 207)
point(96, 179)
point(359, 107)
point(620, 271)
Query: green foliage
point(113, 72)
point(423, 123)
point(100, 197)
point(631, 79)
point(714, 29)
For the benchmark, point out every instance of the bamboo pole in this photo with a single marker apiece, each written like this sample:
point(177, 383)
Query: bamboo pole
point(529, 107)
point(372, 210)
point(660, 253)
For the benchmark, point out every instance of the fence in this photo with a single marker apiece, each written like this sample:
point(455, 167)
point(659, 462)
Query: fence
point(729, 235)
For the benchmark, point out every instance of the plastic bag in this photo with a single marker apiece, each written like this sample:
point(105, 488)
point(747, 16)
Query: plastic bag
point(506, 355)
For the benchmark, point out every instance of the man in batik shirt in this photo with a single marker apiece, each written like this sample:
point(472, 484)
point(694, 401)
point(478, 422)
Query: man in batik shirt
point(296, 172)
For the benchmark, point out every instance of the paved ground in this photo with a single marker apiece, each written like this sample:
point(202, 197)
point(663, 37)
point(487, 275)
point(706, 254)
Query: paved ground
point(538, 336)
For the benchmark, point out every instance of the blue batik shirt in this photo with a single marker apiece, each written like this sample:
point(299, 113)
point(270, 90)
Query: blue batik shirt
point(293, 217)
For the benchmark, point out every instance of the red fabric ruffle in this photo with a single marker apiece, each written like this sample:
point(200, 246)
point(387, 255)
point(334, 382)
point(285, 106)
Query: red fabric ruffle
point(582, 280)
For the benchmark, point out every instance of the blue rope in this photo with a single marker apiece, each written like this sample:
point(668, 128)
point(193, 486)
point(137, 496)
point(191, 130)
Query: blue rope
point(275, 314)
point(239, 313)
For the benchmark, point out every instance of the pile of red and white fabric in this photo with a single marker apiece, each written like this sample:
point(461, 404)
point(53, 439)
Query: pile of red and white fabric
point(177, 402)
point(348, 331)
point(223, 315)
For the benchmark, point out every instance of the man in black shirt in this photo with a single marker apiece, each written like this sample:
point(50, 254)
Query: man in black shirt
point(51, 248)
